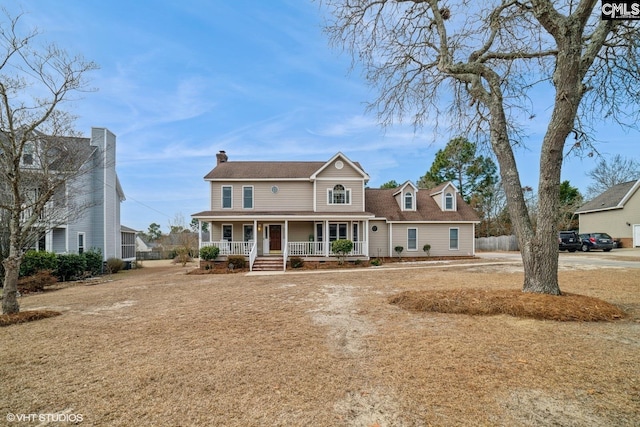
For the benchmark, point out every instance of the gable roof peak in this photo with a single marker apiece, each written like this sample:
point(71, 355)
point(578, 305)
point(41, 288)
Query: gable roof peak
point(345, 159)
point(404, 185)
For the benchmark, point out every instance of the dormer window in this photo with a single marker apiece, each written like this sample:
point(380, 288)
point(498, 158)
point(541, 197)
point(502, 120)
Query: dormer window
point(408, 201)
point(339, 195)
point(448, 202)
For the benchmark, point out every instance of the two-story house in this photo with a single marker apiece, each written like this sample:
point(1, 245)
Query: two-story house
point(283, 209)
point(89, 216)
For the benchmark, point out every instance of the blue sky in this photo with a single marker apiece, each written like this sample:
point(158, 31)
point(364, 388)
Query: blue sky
point(181, 80)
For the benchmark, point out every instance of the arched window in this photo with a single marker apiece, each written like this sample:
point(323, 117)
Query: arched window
point(339, 195)
point(448, 202)
point(408, 201)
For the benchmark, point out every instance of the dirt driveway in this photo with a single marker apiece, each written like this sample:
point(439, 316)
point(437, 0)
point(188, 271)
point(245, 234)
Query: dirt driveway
point(156, 346)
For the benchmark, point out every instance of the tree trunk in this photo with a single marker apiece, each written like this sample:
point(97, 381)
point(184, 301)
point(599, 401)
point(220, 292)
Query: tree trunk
point(539, 251)
point(10, 292)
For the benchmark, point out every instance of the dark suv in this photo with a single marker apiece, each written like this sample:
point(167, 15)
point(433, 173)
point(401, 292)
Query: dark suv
point(569, 241)
point(596, 241)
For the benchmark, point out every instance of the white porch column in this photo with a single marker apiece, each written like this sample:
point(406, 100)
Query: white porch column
point(286, 233)
point(366, 237)
point(255, 231)
point(326, 238)
point(199, 236)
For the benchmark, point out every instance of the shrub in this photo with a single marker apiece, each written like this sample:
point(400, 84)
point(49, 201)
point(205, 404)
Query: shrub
point(376, 262)
point(209, 253)
point(34, 261)
point(37, 281)
point(427, 249)
point(93, 258)
point(341, 247)
point(70, 266)
point(236, 261)
point(296, 262)
point(114, 265)
point(398, 249)
point(182, 255)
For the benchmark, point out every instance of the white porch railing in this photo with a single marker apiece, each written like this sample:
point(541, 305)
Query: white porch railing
point(318, 249)
point(301, 249)
point(232, 248)
point(306, 248)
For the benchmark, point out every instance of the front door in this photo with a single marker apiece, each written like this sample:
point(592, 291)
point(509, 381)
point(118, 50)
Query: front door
point(275, 238)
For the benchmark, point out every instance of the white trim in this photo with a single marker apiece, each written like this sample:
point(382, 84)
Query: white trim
point(222, 187)
point(249, 224)
point(404, 201)
point(346, 160)
point(338, 178)
point(408, 248)
point(253, 192)
point(444, 201)
point(347, 196)
point(457, 248)
point(222, 231)
point(84, 241)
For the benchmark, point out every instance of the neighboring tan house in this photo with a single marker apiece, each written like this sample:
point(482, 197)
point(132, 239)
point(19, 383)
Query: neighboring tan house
point(615, 212)
point(96, 195)
point(277, 210)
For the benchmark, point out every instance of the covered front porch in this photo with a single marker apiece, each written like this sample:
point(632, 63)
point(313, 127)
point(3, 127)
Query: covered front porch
point(285, 237)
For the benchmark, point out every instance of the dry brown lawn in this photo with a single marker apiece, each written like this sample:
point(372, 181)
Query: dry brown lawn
point(156, 346)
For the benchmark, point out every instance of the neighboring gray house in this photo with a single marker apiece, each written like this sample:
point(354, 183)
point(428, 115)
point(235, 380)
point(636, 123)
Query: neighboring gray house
point(275, 210)
point(615, 212)
point(95, 196)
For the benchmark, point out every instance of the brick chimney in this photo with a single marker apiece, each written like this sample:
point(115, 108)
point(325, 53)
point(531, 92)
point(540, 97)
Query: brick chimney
point(221, 157)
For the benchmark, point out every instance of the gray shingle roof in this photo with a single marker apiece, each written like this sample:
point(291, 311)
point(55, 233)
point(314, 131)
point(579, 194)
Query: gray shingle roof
point(610, 199)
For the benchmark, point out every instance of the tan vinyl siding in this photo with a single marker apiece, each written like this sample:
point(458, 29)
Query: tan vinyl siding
point(437, 235)
point(613, 222)
point(300, 231)
point(347, 172)
point(378, 240)
point(291, 196)
point(238, 230)
point(356, 196)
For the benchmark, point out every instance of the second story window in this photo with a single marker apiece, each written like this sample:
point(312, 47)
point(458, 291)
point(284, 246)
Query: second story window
point(339, 195)
point(227, 197)
point(408, 201)
point(247, 197)
point(448, 202)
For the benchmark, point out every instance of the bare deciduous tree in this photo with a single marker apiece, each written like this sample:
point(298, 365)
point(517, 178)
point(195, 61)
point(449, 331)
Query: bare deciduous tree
point(39, 156)
point(608, 173)
point(500, 63)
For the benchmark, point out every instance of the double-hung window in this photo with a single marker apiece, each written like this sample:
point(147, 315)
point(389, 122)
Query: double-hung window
point(448, 202)
point(412, 239)
point(227, 197)
point(227, 232)
point(408, 201)
point(453, 239)
point(247, 197)
point(80, 243)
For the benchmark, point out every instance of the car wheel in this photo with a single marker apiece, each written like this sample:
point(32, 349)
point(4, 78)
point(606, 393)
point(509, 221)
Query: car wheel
point(585, 248)
point(606, 250)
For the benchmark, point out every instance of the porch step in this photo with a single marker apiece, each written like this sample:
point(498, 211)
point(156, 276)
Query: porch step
point(268, 264)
